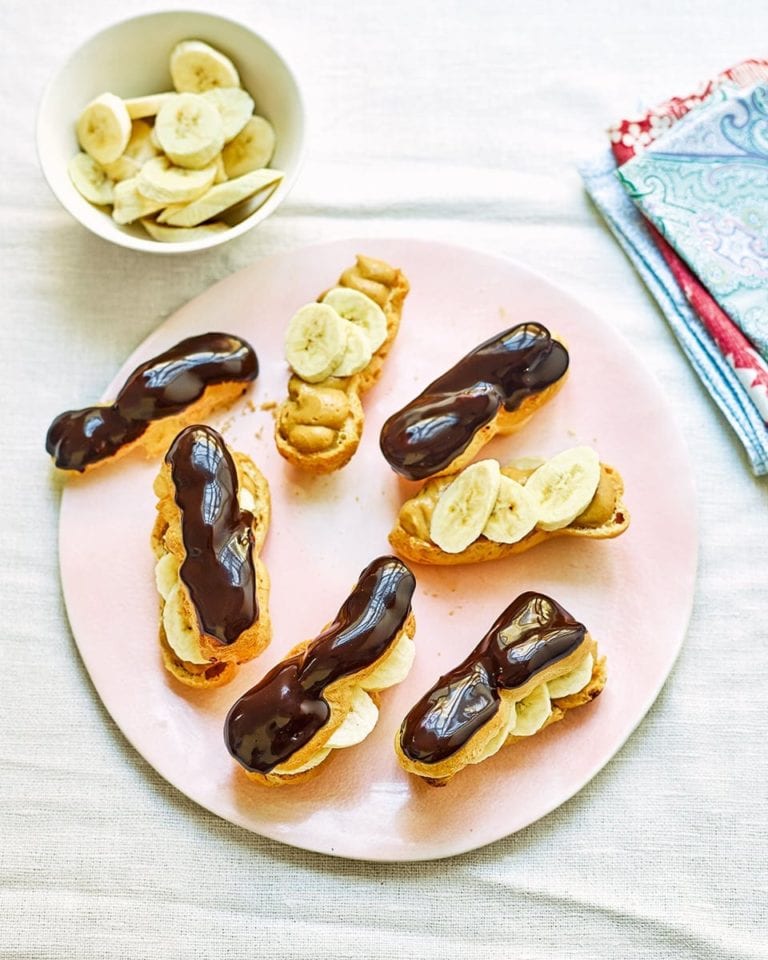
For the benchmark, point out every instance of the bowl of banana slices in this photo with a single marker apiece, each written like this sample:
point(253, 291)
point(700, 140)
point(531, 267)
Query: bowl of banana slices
point(172, 132)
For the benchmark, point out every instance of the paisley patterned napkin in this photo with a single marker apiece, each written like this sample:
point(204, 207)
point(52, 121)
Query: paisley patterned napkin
point(725, 360)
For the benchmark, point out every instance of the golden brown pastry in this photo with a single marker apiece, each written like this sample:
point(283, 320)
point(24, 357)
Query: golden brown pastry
point(534, 664)
point(322, 696)
point(487, 512)
point(213, 513)
point(495, 388)
point(337, 349)
point(182, 385)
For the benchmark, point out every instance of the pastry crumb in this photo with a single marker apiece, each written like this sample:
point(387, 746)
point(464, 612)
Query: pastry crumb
point(268, 405)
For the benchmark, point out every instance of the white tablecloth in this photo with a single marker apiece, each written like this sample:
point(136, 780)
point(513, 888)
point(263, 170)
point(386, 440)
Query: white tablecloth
point(451, 120)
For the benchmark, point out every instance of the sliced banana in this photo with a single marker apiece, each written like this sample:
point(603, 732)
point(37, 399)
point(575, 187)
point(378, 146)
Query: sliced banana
point(394, 668)
point(168, 212)
point(104, 128)
point(499, 739)
point(181, 636)
point(360, 310)
point(513, 515)
point(357, 724)
point(130, 204)
point(190, 131)
point(221, 171)
point(357, 353)
point(532, 711)
point(149, 106)
point(222, 196)
point(464, 506)
point(123, 168)
point(235, 106)
point(574, 681)
point(161, 180)
point(181, 234)
point(141, 146)
point(90, 179)
point(564, 486)
point(315, 341)
point(196, 67)
point(312, 762)
point(251, 149)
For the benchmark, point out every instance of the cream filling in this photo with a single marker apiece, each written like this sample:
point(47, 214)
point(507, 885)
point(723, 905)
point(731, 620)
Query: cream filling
point(363, 713)
point(532, 712)
point(184, 638)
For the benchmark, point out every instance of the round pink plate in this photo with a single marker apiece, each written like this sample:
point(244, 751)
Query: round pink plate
point(634, 593)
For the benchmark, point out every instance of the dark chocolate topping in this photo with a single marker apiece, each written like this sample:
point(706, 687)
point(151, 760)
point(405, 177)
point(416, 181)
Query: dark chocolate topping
point(530, 635)
point(432, 430)
point(282, 713)
point(218, 536)
point(161, 387)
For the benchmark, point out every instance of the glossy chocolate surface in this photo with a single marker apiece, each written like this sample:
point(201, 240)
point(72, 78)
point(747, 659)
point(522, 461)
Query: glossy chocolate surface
point(282, 713)
point(530, 635)
point(432, 430)
point(162, 387)
point(218, 567)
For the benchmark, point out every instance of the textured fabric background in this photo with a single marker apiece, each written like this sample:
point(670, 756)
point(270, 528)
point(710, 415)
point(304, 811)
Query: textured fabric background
point(444, 120)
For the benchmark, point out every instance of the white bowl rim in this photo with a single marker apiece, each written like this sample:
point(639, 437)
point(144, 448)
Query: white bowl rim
point(214, 240)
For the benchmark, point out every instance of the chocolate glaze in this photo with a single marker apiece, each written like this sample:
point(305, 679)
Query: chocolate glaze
point(530, 635)
point(432, 430)
point(282, 713)
point(218, 536)
point(161, 387)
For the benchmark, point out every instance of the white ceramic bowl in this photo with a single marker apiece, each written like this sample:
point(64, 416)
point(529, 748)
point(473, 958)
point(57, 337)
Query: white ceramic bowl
point(130, 59)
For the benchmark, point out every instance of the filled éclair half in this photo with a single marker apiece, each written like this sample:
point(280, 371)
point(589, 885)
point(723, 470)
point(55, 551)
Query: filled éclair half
point(323, 695)
point(213, 513)
point(336, 348)
point(179, 386)
point(535, 663)
point(495, 388)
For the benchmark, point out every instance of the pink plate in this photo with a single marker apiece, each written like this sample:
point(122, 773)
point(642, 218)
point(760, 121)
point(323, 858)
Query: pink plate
point(325, 530)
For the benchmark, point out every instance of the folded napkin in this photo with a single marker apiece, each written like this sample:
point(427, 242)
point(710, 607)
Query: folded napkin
point(719, 125)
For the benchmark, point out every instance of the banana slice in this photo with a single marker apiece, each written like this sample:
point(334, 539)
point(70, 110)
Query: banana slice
point(357, 353)
point(315, 341)
point(148, 106)
point(180, 234)
point(130, 204)
point(358, 723)
point(160, 180)
point(104, 128)
point(222, 196)
point(499, 739)
point(181, 636)
point(464, 506)
point(574, 681)
point(141, 147)
point(251, 149)
point(168, 212)
point(360, 310)
point(221, 171)
point(235, 106)
point(123, 168)
point(166, 574)
point(196, 67)
point(190, 131)
point(563, 487)
point(513, 514)
point(395, 667)
point(312, 762)
point(532, 711)
point(90, 179)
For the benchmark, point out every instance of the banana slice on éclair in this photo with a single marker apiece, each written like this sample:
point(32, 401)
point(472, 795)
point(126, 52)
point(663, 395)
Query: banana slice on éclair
point(563, 487)
point(197, 67)
point(104, 128)
point(315, 341)
point(357, 353)
point(360, 310)
point(251, 149)
point(464, 508)
point(513, 514)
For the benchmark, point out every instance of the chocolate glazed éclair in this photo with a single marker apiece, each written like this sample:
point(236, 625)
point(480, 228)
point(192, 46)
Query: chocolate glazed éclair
point(161, 387)
point(218, 569)
point(282, 713)
point(530, 635)
point(438, 425)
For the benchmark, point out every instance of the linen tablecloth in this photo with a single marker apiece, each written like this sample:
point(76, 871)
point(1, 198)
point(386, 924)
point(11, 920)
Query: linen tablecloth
point(451, 121)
